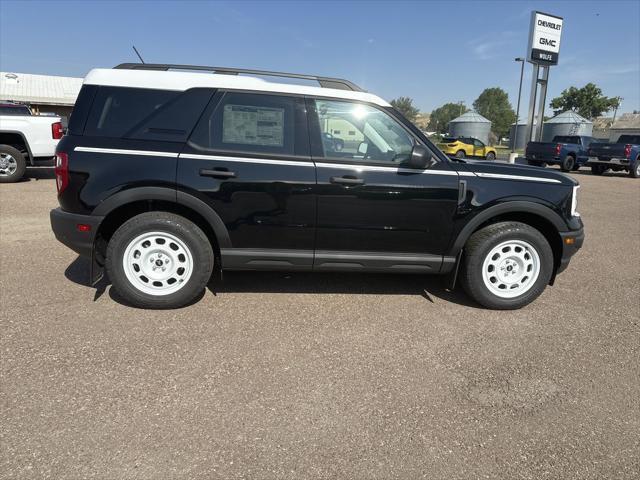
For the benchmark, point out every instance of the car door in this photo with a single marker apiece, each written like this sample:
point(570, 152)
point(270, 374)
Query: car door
point(248, 159)
point(478, 148)
point(375, 213)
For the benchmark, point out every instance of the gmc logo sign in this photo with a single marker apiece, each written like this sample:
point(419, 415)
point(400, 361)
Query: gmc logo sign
point(547, 41)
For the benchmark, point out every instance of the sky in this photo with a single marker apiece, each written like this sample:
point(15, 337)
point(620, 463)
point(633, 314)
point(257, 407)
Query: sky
point(434, 52)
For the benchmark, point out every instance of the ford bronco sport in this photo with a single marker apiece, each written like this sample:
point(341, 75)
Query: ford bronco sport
point(168, 172)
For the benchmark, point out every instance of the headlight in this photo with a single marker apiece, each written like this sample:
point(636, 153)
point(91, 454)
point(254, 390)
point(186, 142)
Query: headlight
point(574, 202)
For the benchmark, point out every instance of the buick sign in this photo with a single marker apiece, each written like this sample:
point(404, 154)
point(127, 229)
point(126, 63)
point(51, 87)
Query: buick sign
point(544, 38)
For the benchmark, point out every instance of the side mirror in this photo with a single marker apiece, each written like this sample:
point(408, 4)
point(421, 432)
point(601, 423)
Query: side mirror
point(420, 158)
point(362, 148)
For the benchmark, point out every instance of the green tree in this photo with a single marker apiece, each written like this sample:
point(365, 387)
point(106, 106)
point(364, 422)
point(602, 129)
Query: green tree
point(587, 101)
point(493, 104)
point(405, 106)
point(441, 116)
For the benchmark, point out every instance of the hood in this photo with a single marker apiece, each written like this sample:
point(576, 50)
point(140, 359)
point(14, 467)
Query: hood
point(510, 171)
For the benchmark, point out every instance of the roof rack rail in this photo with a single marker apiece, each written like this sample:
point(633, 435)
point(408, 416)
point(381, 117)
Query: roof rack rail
point(325, 82)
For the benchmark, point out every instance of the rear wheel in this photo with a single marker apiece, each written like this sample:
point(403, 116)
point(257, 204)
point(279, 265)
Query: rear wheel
point(491, 156)
point(460, 154)
point(598, 169)
point(568, 163)
point(159, 260)
point(507, 265)
point(634, 171)
point(12, 164)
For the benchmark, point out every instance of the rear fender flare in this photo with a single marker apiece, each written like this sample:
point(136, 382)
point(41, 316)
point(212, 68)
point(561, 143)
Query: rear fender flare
point(169, 195)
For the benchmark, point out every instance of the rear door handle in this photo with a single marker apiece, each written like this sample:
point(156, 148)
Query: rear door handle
point(347, 180)
point(217, 173)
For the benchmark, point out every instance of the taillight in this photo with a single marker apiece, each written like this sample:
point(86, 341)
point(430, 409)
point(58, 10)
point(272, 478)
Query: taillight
point(627, 151)
point(57, 131)
point(62, 171)
point(558, 147)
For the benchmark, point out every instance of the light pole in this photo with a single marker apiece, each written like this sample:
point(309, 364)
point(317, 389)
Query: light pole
point(515, 130)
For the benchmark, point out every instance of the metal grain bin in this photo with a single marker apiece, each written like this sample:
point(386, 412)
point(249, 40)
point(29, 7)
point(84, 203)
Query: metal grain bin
point(566, 123)
point(470, 124)
point(521, 141)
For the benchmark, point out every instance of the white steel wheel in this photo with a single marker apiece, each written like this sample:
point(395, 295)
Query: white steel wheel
point(157, 263)
point(8, 165)
point(511, 268)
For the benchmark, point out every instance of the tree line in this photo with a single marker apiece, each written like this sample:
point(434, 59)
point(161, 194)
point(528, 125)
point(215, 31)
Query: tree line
point(493, 104)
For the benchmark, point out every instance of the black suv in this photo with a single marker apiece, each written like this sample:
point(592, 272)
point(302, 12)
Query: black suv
point(170, 171)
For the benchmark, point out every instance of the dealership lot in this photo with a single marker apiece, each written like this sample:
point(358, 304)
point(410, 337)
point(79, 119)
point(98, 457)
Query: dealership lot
point(272, 375)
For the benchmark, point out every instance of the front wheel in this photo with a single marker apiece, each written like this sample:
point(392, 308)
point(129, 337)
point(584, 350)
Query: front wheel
point(460, 154)
point(159, 260)
point(491, 156)
point(12, 164)
point(507, 265)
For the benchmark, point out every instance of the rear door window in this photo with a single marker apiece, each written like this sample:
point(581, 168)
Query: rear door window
point(254, 123)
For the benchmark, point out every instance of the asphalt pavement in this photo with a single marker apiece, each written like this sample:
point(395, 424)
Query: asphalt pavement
point(348, 376)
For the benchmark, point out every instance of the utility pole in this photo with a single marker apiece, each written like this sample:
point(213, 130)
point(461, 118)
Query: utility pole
point(515, 130)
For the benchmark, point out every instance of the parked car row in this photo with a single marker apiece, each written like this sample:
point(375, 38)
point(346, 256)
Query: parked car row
point(574, 151)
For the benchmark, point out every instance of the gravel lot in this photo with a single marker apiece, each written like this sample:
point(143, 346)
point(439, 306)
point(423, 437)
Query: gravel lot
point(320, 376)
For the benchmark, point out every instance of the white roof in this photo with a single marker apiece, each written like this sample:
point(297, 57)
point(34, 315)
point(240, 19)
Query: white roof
point(39, 89)
point(172, 80)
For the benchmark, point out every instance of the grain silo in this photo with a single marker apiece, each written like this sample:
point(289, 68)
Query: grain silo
point(566, 123)
point(520, 137)
point(470, 124)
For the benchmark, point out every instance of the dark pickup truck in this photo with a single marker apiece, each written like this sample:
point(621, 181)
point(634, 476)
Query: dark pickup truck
point(568, 151)
point(622, 155)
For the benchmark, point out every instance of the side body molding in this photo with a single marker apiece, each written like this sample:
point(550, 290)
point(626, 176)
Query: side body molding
point(502, 208)
point(169, 195)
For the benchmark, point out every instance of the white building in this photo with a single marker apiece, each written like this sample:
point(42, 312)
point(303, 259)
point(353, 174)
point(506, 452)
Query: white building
point(43, 93)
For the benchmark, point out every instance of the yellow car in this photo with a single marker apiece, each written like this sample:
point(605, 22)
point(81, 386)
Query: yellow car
point(467, 147)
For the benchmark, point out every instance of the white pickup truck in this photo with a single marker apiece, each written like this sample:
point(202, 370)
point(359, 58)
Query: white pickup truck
point(25, 137)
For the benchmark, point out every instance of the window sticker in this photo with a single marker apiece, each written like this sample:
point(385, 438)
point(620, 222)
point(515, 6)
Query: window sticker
point(253, 125)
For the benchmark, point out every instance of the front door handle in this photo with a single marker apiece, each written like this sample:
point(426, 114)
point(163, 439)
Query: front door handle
point(347, 180)
point(217, 173)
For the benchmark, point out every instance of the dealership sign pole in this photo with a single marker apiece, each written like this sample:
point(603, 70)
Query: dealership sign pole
point(543, 52)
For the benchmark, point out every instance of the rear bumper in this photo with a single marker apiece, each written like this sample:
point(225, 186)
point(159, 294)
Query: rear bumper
point(571, 242)
point(65, 228)
point(623, 162)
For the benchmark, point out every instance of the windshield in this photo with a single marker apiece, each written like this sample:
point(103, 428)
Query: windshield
point(566, 139)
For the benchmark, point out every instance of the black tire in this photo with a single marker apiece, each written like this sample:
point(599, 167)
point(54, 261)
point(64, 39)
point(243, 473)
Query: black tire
point(634, 172)
point(478, 247)
point(576, 167)
point(187, 232)
point(491, 156)
point(598, 169)
point(20, 164)
point(568, 163)
point(460, 154)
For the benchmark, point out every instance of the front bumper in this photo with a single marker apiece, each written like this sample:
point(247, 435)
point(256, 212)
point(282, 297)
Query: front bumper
point(65, 228)
point(571, 242)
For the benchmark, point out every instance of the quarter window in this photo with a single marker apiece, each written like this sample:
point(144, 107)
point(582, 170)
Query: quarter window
point(374, 136)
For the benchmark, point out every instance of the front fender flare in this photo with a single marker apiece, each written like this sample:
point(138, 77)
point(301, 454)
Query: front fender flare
point(519, 206)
